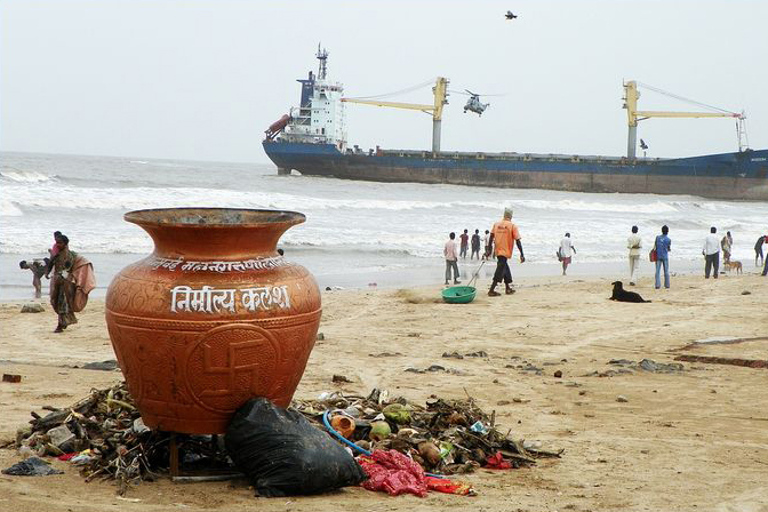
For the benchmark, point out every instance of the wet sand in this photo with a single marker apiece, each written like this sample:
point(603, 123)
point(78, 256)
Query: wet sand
point(695, 439)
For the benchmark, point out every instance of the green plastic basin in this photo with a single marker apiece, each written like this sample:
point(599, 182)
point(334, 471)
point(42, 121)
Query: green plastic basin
point(459, 294)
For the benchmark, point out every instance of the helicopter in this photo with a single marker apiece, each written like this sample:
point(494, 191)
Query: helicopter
point(474, 104)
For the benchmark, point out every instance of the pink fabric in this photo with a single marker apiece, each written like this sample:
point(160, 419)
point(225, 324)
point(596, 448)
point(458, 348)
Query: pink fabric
point(394, 473)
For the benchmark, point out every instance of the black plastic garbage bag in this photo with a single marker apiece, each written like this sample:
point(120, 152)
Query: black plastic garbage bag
point(284, 455)
point(33, 466)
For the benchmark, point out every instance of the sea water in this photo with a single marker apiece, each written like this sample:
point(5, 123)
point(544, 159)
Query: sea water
point(356, 234)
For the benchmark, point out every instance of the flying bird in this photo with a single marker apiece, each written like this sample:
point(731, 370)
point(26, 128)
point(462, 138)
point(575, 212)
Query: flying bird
point(510, 15)
point(643, 145)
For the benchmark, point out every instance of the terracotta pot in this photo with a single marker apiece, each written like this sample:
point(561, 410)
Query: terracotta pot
point(213, 317)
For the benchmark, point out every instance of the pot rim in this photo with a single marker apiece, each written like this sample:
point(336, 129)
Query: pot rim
point(169, 217)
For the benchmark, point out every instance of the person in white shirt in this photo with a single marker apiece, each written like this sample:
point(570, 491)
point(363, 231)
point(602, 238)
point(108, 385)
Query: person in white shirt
point(567, 250)
point(711, 252)
point(487, 245)
point(451, 260)
point(634, 244)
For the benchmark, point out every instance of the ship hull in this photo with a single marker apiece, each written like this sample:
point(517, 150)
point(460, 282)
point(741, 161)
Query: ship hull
point(741, 176)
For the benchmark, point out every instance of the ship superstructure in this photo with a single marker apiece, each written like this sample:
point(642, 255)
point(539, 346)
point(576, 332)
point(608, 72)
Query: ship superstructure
point(319, 118)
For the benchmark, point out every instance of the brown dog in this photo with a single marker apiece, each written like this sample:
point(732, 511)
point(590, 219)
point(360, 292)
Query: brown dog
point(733, 265)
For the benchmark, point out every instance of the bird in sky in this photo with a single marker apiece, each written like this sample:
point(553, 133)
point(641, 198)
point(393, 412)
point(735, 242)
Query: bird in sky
point(510, 15)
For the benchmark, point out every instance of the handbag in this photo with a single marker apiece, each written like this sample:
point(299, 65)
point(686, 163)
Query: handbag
point(652, 255)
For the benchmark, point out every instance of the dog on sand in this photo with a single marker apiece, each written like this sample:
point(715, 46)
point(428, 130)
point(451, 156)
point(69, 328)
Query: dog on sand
point(731, 265)
point(622, 295)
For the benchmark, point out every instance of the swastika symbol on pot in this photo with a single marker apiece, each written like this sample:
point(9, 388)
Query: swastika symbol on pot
point(230, 364)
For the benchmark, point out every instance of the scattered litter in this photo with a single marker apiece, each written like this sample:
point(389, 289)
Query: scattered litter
point(320, 336)
point(746, 292)
point(61, 437)
point(106, 366)
point(558, 374)
point(438, 435)
point(386, 354)
point(479, 353)
point(479, 428)
point(622, 399)
point(454, 355)
point(12, 378)
point(648, 365)
point(397, 413)
point(340, 379)
point(434, 368)
point(33, 466)
point(110, 442)
point(394, 473)
point(32, 307)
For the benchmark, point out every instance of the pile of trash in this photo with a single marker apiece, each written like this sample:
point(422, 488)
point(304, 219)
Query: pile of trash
point(392, 438)
point(443, 436)
point(106, 438)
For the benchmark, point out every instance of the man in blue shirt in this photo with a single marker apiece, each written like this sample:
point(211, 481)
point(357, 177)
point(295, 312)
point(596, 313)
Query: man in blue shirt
point(663, 246)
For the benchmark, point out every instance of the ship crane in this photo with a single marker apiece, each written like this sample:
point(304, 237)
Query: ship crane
point(440, 92)
point(631, 96)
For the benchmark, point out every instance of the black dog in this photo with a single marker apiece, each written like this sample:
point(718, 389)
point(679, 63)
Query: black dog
point(622, 295)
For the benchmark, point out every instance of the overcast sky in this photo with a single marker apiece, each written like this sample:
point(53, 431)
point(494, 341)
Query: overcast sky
point(203, 79)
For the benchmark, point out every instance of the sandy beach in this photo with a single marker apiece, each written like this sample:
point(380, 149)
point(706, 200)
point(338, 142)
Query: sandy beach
point(694, 439)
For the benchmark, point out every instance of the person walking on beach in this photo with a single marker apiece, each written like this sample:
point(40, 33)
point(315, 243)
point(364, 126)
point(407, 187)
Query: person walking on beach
point(451, 260)
point(38, 271)
point(663, 246)
point(475, 245)
point(504, 235)
point(61, 295)
point(634, 244)
point(726, 244)
point(759, 249)
point(464, 244)
point(711, 252)
point(487, 245)
point(72, 281)
point(567, 250)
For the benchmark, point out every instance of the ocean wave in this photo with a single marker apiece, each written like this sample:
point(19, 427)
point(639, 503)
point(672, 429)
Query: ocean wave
point(132, 198)
point(9, 209)
point(20, 176)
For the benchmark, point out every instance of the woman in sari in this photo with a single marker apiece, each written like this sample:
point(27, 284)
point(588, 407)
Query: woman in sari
point(62, 288)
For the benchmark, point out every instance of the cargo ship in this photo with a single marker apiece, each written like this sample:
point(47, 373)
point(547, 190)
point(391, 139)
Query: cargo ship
point(312, 140)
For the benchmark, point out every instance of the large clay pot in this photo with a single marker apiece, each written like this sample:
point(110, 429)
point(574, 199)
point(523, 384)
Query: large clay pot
point(213, 317)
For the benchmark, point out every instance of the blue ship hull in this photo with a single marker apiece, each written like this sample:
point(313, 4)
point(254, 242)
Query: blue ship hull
point(742, 176)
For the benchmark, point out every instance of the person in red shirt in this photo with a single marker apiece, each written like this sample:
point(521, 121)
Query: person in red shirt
point(504, 236)
point(464, 243)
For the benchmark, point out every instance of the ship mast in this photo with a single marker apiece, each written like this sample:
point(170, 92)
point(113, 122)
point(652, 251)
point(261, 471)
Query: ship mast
point(322, 56)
